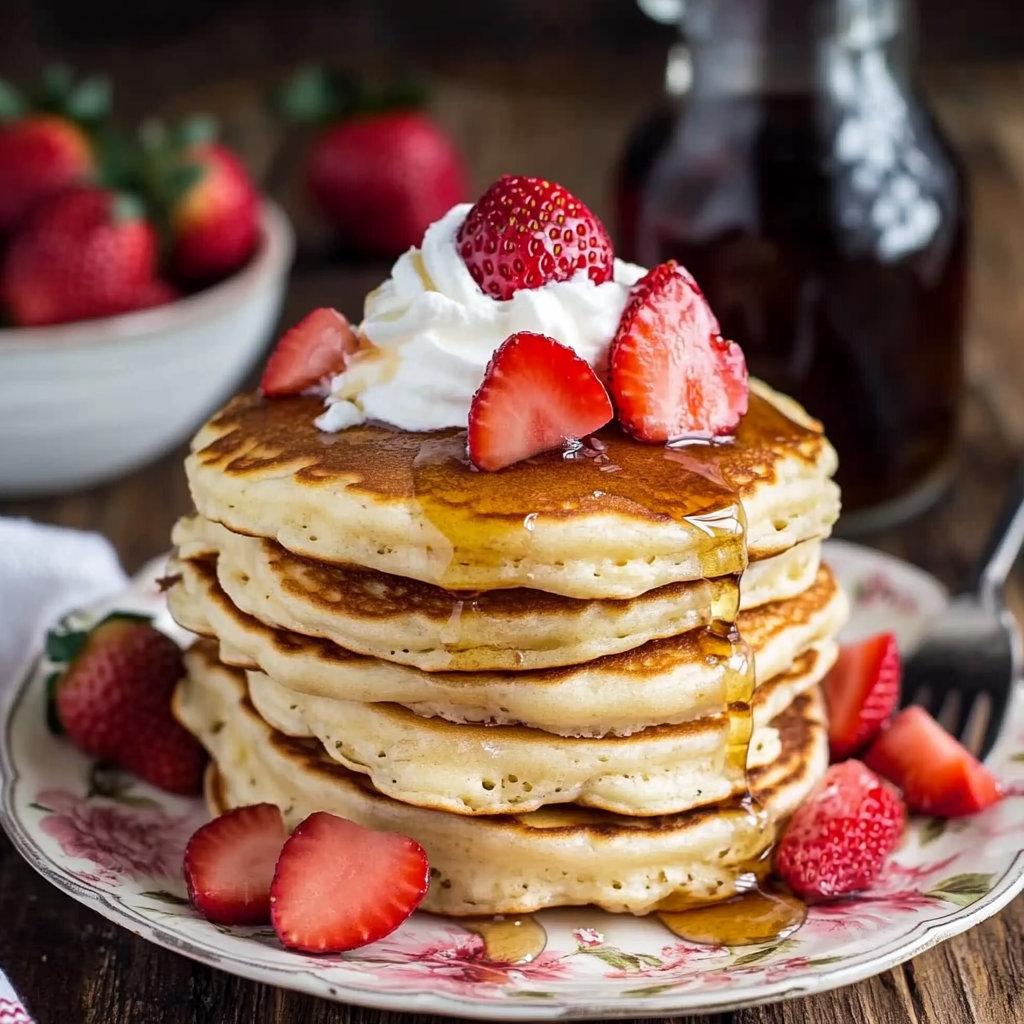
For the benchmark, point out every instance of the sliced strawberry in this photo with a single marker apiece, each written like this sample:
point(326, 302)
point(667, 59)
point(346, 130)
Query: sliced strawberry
point(936, 773)
point(536, 394)
point(339, 886)
point(673, 375)
point(315, 348)
point(862, 691)
point(840, 836)
point(230, 862)
point(526, 232)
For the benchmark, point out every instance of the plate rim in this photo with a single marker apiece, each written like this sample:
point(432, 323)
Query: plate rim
point(418, 997)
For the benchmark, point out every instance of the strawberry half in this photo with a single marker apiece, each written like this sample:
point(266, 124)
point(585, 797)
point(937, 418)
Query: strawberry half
point(862, 691)
point(230, 863)
point(339, 886)
point(536, 394)
point(526, 232)
point(316, 347)
point(673, 375)
point(936, 773)
point(841, 835)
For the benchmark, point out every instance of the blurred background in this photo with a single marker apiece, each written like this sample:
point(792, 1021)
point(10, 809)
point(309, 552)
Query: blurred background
point(576, 91)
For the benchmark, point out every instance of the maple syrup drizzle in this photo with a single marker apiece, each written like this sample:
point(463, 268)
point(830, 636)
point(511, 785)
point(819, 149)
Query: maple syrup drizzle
point(512, 939)
point(746, 919)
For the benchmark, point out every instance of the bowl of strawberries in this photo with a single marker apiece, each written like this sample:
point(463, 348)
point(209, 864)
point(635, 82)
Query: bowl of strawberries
point(140, 278)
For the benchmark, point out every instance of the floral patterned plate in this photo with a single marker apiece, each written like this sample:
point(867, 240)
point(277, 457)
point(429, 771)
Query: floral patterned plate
point(116, 846)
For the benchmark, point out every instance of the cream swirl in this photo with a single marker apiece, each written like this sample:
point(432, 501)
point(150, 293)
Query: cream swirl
point(429, 332)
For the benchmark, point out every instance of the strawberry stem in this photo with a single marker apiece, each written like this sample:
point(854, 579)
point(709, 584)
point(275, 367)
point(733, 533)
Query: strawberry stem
point(318, 96)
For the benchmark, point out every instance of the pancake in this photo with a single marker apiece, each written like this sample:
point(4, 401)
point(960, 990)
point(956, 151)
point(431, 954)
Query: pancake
point(507, 864)
point(666, 681)
point(415, 623)
point(479, 769)
point(612, 518)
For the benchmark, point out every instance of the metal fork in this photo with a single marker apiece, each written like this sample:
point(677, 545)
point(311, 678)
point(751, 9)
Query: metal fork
point(971, 654)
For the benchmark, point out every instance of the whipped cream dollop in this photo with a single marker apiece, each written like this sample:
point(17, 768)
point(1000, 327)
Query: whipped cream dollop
point(429, 331)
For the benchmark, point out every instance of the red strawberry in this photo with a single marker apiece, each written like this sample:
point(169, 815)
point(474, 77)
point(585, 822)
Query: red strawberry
point(524, 232)
point(935, 772)
point(840, 836)
point(87, 253)
point(672, 373)
point(339, 886)
point(154, 293)
point(40, 156)
point(383, 179)
point(215, 225)
point(536, 394)
point(316, 347)
point(862, 691)
point(230, 863)
point(113, 699)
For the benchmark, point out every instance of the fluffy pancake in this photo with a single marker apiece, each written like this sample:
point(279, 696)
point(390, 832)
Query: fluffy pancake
point(416, 623)
point(665, 681)
point(505, 864)
point(479, 769)
point(611, 519)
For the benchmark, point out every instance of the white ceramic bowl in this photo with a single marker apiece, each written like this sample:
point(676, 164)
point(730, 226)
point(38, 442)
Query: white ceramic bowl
point(83, 403)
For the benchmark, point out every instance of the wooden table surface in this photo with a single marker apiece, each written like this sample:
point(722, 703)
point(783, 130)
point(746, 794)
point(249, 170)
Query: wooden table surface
point(72, 966)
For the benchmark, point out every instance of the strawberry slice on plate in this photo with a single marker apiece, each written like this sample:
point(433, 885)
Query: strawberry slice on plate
point(230, 861)
point(317, 347)
point(527, 232)
point(536, 394)
point(862, 691)
point(339, 886)
point(936, 773)
point(840, 836)
point(673, 375)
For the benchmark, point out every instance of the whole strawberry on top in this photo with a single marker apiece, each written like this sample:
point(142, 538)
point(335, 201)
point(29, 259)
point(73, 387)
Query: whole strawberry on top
point(86, 253)
point(47, 141)
point(111, 694)
point(526, 232)
point(381, 171)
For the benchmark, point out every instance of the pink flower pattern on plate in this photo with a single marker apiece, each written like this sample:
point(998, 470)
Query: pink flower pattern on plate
point(455, 960)
point(123, 843)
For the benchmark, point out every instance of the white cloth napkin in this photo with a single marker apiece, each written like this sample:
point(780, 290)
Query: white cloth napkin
point(45, 571)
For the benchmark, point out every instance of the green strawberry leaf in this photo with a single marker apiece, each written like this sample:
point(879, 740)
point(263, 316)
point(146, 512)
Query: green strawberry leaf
point(181, 179)
point(1018, 757)
point(54, 88)
point(126, 207)
point(962, 890)
point(63, 648)
point(519, 993)
point(197, 130)
point(53, 722)
point(163, 896)
point(89, 101)
point(13, 104)
point(313, 96)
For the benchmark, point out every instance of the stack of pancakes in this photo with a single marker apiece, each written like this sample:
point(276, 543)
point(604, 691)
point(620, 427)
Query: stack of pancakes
point(545, 675)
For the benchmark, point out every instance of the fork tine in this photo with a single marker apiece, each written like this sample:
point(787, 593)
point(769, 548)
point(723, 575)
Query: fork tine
point(997, 712)
point(976, 722)
point(951, 711)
